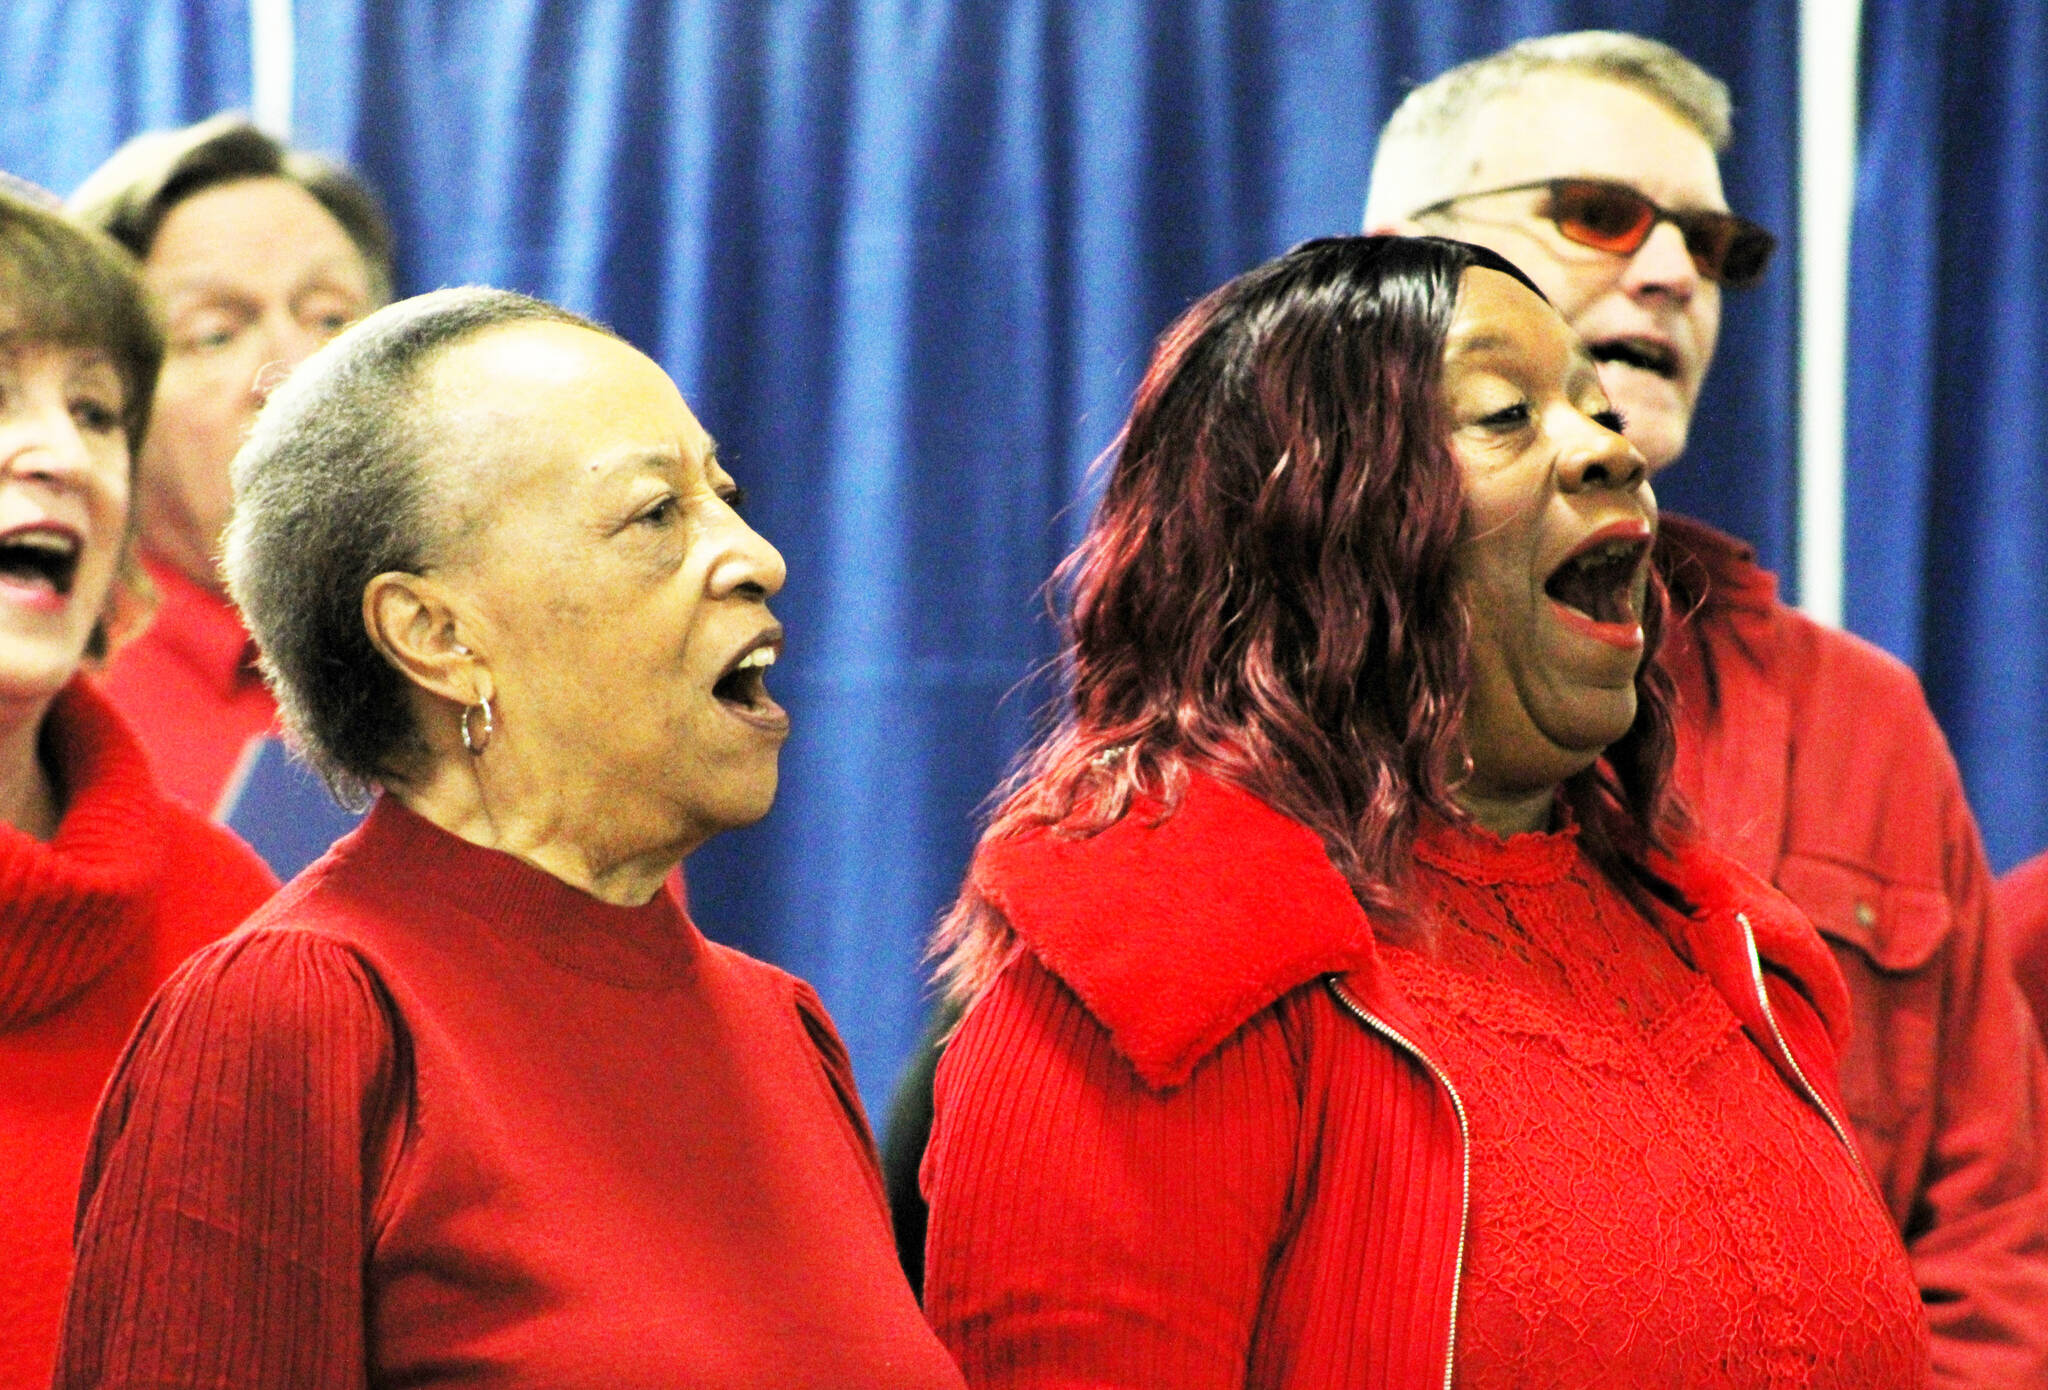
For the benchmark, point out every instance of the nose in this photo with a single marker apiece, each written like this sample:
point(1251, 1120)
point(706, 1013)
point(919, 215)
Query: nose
point(750, 568)
point(1662, 264)
point(286, 343)
point(42, 441)
point(1597, 457)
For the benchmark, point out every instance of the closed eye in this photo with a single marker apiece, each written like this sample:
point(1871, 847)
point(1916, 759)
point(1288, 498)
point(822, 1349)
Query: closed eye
point(661, 514)
point(1610, 419)
point(96, 416)
point(1507, 418)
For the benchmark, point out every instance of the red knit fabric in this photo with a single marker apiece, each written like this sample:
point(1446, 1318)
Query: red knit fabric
point(2022, 897)
point(1172, 1148)
point(90, 924)
point(435, 1117)
point(1811, 756)
point(1624, 1231)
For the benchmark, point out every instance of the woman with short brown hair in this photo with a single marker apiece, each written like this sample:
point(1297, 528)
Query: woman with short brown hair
point(105, 882)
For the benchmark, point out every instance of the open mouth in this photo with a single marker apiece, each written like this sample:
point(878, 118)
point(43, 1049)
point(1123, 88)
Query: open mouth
point(1601, 581)
point(744, 685)
point(1645, 354)
point(39, 558)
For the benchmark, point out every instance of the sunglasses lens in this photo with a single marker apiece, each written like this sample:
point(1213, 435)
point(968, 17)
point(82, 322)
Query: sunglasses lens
point(1749, 251)
point(1605, 216)
point(1725, 247)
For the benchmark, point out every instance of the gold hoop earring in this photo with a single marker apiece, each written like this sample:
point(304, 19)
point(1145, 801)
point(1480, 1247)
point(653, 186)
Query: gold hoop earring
point(476, 743)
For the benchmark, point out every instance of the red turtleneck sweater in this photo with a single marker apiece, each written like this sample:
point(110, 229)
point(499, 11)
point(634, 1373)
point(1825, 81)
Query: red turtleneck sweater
point(434, 1117)
point(90, 924)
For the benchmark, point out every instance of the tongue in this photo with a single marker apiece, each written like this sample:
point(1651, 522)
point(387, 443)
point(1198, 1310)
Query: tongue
point(1593, 590)
point(25, 574)
point(737, 687)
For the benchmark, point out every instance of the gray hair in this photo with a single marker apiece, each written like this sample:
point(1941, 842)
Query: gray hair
point(130, 195)
point(1413, 148)
point(332, 489)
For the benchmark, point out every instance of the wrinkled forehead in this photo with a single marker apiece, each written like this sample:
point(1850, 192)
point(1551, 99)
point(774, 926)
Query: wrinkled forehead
point(1500, 321)
point(544, 406)
point(1563, 123)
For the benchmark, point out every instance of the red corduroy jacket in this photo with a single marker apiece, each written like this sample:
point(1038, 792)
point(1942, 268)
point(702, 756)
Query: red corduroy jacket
point(1309, 1225)
point(1812, 758)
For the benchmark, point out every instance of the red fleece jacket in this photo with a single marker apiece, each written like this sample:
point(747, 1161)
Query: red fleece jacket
point(90, 924)
point(1811, 756)
point(1232, 1164)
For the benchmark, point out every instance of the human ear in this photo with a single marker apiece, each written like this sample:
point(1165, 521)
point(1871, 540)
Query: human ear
point(417, 625)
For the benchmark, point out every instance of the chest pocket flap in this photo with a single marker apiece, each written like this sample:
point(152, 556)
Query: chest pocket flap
point(1898, 926)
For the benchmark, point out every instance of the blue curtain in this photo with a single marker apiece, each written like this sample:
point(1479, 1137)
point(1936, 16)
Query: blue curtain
point(1948, 385)
point(77, 77)
point(906, 260)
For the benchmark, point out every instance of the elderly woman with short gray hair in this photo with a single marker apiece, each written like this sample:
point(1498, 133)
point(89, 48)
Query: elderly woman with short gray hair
point(473, 1101)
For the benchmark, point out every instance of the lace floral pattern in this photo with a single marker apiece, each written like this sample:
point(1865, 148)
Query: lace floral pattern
point(1651, 1203)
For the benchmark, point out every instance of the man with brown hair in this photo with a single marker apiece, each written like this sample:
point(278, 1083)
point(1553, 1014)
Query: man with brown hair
point(256, 254)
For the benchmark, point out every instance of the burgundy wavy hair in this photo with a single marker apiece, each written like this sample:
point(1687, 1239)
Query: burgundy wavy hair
point(1268, 590)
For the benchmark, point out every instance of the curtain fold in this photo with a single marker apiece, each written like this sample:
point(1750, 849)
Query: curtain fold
point(1947, 495)
point(77, 77)
point(906, 260)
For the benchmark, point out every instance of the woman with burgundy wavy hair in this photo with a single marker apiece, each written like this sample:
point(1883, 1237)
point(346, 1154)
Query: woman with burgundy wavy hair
point(1346, 1003)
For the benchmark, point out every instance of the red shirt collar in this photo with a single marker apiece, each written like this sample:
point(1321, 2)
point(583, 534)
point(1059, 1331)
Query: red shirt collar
point(1716, 567)
point(202, 626)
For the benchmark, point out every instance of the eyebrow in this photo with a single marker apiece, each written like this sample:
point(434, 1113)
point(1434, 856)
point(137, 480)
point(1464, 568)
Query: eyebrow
point(206, 282)
point(636, 460)
point(18, 339)
point(648, 460)
point(1484, 342)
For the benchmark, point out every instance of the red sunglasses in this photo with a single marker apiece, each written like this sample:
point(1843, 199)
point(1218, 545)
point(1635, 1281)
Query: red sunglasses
point(1613, 217)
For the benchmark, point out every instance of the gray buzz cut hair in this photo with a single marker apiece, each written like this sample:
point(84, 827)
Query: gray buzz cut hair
point(1417, 146)
point(332, 488)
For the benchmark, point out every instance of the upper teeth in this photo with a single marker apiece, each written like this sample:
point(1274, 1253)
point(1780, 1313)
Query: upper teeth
point(53, 541)
point(758, 657)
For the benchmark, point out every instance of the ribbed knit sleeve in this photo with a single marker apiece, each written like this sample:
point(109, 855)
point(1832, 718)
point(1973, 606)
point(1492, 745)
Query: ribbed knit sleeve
point(222, 1218)
point(1087, 1230)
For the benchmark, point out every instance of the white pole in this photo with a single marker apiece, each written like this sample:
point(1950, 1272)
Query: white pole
point(271, 62)
point(1830, 37)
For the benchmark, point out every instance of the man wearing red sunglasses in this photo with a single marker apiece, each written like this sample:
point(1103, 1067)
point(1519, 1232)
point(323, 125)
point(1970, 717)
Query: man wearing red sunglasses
point(1591, 161)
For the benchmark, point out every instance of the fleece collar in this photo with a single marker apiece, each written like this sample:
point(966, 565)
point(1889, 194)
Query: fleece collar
point(1175, 931)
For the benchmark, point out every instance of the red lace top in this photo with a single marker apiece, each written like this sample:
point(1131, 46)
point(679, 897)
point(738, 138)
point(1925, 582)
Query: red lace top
point(1652, 1204)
